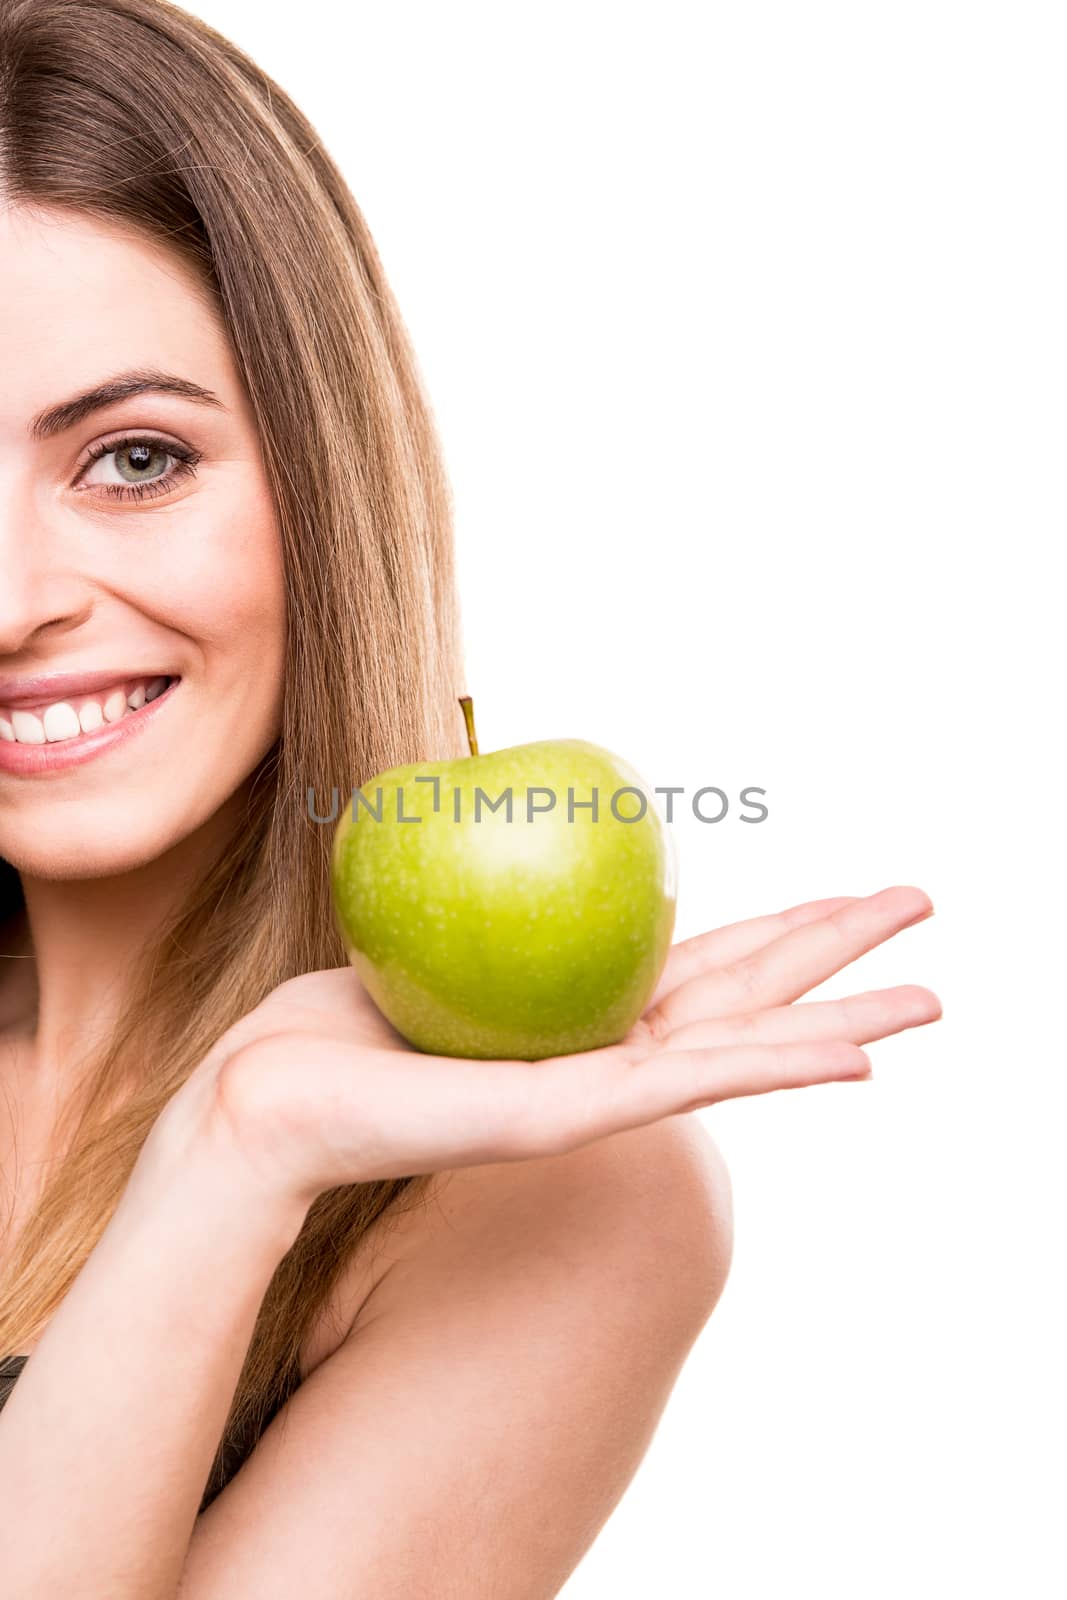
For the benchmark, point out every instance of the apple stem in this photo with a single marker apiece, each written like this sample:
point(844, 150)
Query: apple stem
point(468, 716)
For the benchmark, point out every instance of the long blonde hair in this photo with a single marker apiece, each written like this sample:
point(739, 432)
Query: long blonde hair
point(135, 112)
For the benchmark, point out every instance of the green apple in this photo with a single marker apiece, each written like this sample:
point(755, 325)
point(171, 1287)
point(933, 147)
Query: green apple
point(482, 936)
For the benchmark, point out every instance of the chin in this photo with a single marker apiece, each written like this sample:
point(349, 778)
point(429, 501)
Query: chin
point(101, 838)
point(62, 860)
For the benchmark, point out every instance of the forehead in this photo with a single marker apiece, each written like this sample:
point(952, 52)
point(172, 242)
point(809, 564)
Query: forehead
point(81, 299)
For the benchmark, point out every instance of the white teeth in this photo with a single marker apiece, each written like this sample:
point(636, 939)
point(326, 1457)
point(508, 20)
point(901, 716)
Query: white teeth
point(115, 706)
point(91, 717)
point(28, 728)
point(61, 722)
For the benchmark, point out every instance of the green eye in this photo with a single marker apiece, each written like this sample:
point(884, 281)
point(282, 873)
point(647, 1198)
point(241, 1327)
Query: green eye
point(138, 458)
point(137, 463)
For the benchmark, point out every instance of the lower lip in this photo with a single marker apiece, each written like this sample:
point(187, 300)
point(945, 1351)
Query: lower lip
point(36, 760)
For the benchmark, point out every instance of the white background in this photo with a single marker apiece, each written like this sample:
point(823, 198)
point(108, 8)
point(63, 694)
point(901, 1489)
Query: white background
point(744, 327)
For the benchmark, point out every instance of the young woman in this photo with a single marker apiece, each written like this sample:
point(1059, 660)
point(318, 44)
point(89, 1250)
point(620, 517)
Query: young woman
point(288, 1307)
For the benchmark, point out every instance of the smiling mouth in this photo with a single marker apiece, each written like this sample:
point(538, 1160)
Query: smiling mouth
point(67, 720)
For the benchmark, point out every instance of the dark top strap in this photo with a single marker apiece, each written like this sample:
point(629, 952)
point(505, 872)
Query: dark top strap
point(10, 1368)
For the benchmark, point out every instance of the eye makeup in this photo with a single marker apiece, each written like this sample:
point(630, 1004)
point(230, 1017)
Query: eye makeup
point(184, 458)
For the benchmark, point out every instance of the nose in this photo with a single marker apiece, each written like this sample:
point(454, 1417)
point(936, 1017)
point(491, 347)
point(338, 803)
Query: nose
point(41, 593)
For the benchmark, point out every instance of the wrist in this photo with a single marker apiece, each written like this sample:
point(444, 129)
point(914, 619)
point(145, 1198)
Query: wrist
point(190, 1163)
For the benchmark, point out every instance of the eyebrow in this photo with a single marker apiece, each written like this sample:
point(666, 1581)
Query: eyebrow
point(56, 418)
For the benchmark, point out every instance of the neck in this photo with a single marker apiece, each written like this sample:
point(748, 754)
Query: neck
point(74, 943)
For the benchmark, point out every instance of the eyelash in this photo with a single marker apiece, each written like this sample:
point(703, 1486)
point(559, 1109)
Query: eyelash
point(184, 458)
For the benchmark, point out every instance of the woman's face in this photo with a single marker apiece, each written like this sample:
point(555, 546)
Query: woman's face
point(138, 542)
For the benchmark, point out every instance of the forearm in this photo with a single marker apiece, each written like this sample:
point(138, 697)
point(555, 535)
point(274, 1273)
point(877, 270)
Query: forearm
point(108, 1437)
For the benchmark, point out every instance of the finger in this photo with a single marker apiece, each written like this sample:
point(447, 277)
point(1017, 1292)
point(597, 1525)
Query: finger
point(676, 1081)
point(734, 1072)
point(690, 957)
point(791, 965)
point(860, 1018)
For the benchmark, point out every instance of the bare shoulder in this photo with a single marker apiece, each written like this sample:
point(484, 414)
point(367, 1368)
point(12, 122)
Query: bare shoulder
point(652, 1204)
point(520, 1340)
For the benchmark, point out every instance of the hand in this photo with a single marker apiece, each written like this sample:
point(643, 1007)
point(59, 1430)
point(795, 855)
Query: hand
point(314, 1088)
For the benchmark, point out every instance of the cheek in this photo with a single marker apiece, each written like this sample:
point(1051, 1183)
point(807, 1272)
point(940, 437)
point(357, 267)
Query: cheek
point(211, 586)
point(220, 582)
point(214, 583)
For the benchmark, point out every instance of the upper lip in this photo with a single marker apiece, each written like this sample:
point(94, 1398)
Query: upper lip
point(61, 685)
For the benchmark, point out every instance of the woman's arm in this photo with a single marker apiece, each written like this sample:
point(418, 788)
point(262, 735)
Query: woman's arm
point(107, 1439)
point(107, 1442)
point(496, 1391)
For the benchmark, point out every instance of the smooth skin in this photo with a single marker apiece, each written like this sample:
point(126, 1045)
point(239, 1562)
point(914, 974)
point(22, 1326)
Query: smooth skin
point(491, 1383)
point(365, 1105)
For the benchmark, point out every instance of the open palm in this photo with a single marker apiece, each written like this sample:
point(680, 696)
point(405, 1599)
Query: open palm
point(315, 1088)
